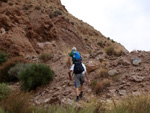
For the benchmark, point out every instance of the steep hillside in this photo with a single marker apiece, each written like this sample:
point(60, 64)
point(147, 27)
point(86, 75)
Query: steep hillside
point(32, 27)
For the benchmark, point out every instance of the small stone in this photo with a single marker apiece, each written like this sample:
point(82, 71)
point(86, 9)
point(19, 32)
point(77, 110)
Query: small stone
point(113, 72)
point(122, 92)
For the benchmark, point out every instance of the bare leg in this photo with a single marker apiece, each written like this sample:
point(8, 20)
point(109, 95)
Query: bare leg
point(81, 88)
point(77, 91)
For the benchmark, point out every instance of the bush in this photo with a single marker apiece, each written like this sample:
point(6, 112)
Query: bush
point(37, 7)
point(118, 53)
point(3, 57)
point(17, 103)
point(14, 71)
point(45, 57)
point(104, 73)
point(106, 83)
point(110, 51)
point(55, 14)
point(4, 76)
point(100, 86)
point(35, 76)
point(4, 91)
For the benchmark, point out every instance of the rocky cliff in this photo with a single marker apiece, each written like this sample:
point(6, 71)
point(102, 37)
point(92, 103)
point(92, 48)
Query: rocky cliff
point(32, 27)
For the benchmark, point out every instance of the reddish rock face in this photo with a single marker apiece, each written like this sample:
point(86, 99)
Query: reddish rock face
point(26, 25)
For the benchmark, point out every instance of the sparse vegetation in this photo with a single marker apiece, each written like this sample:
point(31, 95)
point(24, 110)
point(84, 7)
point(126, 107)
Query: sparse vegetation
point(35, 75)
point(112, 41)
point(55, 13)
point(45, 57)
point(106, 83)
point(93, 83)
point(100, 86)
point(1, 110)
point(37, 7)
point(4, 91)
point(17, 103)
point(3, 57)
point(110, 51)
point(101, 44)
point(133, 104)
point(4, 76)
point(108, 38)
point(104, 73)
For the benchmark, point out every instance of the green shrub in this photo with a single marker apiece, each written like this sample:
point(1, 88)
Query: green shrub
point(35, 76)
point(4, 91)
point(14, 71)
point(112, 41)
point(4, 76)
point(55, 14)
point(3, 57)
point(17, 103)
point(110, 51)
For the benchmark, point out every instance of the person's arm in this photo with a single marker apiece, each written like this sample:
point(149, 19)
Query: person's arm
point(70, 77)
point(86, 74)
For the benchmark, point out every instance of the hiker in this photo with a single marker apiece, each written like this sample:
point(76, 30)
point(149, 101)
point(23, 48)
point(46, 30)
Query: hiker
point(75, 55)
point(80, 72)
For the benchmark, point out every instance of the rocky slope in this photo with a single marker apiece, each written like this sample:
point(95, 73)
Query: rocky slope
point(33, 27)
point(30, 28)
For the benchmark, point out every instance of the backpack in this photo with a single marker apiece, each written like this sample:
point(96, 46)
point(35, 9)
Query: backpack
point(76, 56)
point(78, 68)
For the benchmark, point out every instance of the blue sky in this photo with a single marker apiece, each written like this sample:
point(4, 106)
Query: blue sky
point(125, 21)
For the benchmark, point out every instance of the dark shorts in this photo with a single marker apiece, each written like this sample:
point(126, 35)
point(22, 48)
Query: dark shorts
point(79, 80)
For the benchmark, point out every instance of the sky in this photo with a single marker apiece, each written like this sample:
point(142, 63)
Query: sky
point(125, 21)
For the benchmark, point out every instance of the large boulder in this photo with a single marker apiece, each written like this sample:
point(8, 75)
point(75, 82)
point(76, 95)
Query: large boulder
point(92, 65)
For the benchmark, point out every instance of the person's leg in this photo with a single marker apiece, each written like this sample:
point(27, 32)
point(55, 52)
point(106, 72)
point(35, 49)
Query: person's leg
point(81, 88)
point(77, 91)
point(77, 86)
point(81, 82)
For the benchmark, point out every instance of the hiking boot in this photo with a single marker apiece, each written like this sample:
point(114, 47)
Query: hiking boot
point(77, 99)
point(81, 95)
